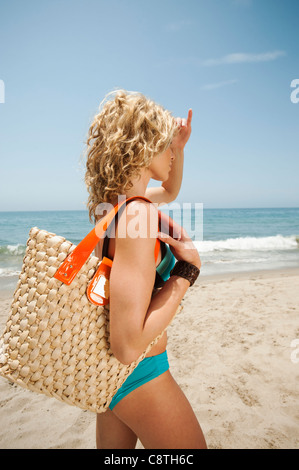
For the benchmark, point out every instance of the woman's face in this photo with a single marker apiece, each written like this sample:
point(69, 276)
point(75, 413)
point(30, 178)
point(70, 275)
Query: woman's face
point(161, 165)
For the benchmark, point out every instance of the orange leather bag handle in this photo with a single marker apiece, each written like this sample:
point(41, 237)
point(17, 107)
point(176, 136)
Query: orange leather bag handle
point(75, 260)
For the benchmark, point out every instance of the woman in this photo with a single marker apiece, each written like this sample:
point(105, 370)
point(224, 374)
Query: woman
point(130, 141)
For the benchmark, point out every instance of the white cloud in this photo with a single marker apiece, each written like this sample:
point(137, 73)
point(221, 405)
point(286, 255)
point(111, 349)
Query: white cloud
point(241, 58)
point(213, 86)
point(229, 59)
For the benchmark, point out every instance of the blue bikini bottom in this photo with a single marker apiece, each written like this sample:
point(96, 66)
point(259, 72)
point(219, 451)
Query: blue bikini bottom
point(149, 368)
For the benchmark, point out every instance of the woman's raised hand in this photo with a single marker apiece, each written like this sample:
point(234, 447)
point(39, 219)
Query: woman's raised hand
point(184, 125)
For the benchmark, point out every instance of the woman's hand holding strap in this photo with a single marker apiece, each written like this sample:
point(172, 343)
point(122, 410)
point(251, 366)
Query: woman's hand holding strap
point(188, 264)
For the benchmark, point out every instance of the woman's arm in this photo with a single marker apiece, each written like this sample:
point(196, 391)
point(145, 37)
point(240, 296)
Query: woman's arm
point(169, 189)
point(136, 318)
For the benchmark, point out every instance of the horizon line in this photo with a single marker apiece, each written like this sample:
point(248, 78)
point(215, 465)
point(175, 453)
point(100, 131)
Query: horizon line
point(192, 203)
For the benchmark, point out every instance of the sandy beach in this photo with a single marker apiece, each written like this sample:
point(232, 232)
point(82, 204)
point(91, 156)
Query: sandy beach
point(230, 351)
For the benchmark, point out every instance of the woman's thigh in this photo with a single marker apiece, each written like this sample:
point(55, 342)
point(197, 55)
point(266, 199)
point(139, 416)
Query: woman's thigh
point(112, 433)
point(161, 416)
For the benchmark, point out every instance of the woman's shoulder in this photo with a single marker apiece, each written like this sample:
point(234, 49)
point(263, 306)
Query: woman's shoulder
point(138, 224)
point(142, 216)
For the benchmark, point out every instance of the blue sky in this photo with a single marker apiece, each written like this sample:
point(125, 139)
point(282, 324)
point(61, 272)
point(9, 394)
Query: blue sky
point(232, 61)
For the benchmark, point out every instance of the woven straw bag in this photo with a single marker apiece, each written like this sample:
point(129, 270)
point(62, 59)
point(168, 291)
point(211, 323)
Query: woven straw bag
point(56, 341)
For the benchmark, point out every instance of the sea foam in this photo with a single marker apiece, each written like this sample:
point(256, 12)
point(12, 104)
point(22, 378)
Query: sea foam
point(277, 242)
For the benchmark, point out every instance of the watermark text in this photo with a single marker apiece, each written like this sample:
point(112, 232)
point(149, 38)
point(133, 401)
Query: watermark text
point(295, 93)
point(142, 221)
point(295, 353)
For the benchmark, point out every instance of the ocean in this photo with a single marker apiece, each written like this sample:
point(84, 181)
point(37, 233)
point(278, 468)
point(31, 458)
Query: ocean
point(228, 240)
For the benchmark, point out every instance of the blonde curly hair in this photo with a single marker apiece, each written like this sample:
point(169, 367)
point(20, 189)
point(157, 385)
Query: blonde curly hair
point(127, 133)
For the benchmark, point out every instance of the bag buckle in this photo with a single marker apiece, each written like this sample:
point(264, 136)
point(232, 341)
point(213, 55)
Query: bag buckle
point(98, 288)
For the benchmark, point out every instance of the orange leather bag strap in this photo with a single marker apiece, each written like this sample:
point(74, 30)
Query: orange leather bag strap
point(76, 259)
